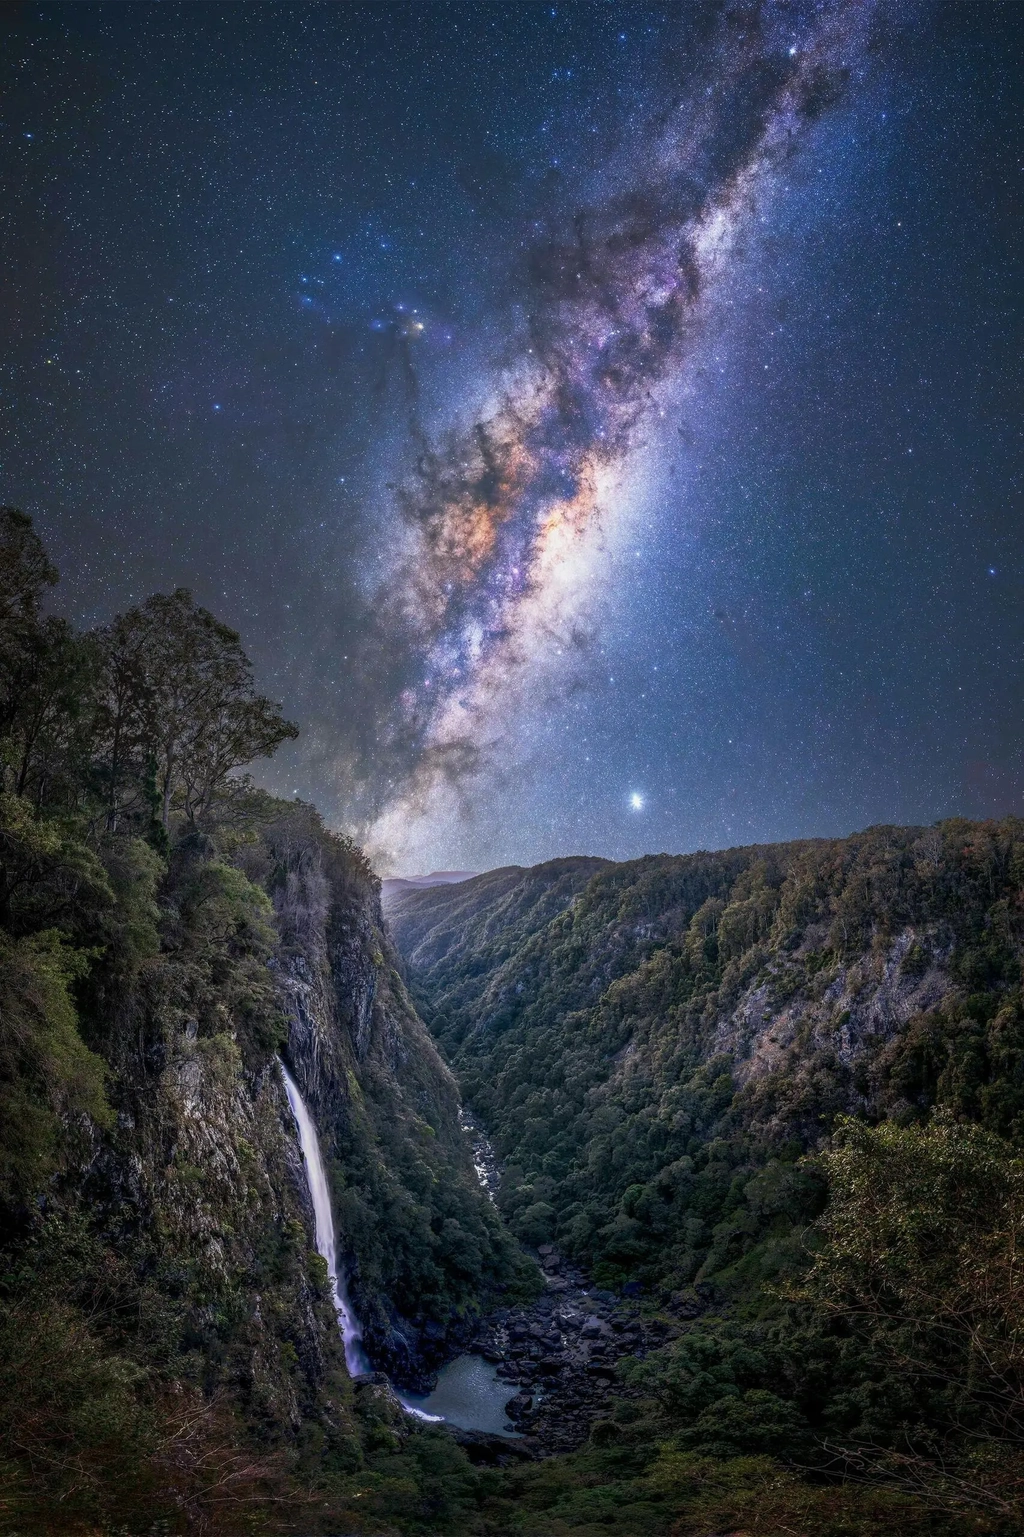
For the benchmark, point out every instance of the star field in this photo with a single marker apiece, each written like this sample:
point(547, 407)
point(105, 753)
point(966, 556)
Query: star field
point(370, 325)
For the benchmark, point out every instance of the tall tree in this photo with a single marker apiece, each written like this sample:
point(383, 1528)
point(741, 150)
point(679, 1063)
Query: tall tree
point(125, 757)
point(53, 732)
point(179, 694)
point(25, 571)
point(25, 574)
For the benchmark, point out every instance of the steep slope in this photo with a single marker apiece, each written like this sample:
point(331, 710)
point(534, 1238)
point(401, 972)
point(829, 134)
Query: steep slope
point(654, 1045)
point(421, 1241)
point(169, 1351)
point(169, 1342)
point(774, 1097)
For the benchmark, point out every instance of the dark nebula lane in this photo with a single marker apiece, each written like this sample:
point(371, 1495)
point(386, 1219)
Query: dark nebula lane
point(597, 420)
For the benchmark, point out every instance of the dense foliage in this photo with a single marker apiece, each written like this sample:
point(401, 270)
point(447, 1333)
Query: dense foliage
point(168, 1350)
point(778, 1092)
point(669, 1062)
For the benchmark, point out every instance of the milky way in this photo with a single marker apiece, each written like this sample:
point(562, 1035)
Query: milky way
point(599, 421)
point(498, 514)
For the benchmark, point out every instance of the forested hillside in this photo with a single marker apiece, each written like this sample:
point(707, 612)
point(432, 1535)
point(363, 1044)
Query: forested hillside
point(779, 1091)
point(169, 1356)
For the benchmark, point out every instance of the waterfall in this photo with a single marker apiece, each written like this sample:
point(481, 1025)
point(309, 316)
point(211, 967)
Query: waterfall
point(356, 1358)
point(488, 1170)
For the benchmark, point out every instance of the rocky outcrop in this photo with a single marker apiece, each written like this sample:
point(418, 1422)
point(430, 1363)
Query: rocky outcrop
point(861, 1006)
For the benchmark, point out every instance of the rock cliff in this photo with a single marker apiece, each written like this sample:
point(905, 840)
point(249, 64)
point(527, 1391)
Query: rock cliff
point(421, 1243)
point(168, 1262)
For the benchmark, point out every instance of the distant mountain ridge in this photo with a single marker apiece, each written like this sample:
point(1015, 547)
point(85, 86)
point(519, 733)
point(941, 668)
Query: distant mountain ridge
point(432, 924)
point(641, 1038)
point(393, 885)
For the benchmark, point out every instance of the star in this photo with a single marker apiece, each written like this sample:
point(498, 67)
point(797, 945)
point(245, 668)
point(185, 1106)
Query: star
point(564, 457)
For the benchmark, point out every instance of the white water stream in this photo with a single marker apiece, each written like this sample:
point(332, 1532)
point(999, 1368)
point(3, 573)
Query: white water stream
point(356, 1358)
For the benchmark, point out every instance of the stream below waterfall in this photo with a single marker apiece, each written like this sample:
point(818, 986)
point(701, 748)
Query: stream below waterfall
point(469, 1393)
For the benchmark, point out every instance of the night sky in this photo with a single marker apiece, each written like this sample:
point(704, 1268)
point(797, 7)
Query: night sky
point(601, 421)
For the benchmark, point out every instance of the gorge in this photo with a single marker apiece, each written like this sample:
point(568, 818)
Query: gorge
point(468, 1393)
point(572, 450)
point(716, 1226)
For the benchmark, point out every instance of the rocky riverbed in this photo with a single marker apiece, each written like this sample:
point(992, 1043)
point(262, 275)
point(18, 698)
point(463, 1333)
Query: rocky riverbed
point(561, 1358)
point(562, 1355)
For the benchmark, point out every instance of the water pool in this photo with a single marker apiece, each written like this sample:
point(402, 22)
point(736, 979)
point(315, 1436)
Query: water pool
point(469, 1394)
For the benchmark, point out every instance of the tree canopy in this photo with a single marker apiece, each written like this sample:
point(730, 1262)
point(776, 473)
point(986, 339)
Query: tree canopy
point(177, 699)
point(145, 716)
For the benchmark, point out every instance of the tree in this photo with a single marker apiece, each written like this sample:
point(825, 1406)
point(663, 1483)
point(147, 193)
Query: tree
point(922, 1261)
point(47, 677)
point(25, 573)
point(121, 715)
point(240, 725)
point(179, 700)
point(53, 730)
point(24, 569)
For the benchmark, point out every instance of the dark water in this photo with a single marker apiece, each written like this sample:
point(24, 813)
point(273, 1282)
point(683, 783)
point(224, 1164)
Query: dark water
point(469, 1394)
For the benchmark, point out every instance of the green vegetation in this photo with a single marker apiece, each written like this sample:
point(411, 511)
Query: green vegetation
point(169, 1355)
point(780, 1091)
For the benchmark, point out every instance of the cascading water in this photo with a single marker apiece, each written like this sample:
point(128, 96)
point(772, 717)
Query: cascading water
point(474, 1403)
point(356, 1358)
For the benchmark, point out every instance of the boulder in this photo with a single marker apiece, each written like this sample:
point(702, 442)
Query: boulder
point(482, 1446)
point(377, 1403)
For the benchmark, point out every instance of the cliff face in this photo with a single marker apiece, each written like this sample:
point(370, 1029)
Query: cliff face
point(311, 973)
point(863, 1005)
point(676, 1029)
point(419, 1239)
point(168, 1262)
point(197, 1193)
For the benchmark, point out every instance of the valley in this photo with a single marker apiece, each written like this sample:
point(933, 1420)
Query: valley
point(663, 1197)
point(511, 771)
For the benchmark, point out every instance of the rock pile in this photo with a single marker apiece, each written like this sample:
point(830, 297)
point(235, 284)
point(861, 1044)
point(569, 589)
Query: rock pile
point(561, 1354)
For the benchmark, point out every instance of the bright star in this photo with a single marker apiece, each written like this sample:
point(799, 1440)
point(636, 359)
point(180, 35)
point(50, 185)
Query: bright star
point(636, 800)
